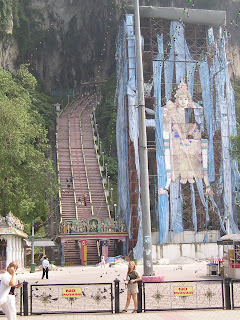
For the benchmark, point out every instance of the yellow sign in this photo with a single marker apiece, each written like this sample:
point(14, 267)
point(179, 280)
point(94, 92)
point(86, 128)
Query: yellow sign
point(214, 267)
point(71, 292)
point(183, 291)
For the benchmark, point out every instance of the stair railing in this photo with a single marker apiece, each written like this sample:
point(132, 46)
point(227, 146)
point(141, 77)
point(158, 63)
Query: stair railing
point(58, 171)
point(96, 147)
point(70, 156)
point(58, 167)
point(84, 158)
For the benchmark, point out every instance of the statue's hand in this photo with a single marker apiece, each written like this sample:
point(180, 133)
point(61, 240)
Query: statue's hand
point(209, 191)
point(162, 191)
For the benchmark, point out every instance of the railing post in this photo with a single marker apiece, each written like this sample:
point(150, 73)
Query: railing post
point(227, 281)
point(25, 298)
point(139, 296)
point(116, 293)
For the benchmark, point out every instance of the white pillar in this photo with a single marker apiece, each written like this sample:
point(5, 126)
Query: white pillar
point(13, 249)
point(18, 252)
point(9, 250)
point(22, 253)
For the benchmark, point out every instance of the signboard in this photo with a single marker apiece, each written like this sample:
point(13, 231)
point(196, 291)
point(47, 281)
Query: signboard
point(183, 291)
point(213, 267)
point(71, 292)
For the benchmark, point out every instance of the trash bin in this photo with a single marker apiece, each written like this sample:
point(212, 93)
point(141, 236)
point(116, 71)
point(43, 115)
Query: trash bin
point(212, 269)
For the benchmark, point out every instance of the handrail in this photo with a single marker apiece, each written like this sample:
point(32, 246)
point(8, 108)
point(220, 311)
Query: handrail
point(58, 167)
point(58, 170)
point(84, 158)
point(70, 155)
point(71, 165)
point(99, 165)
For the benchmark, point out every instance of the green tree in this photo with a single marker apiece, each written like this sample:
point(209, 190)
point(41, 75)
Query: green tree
point(236, 139)
point(106, 117)
point(27, 176)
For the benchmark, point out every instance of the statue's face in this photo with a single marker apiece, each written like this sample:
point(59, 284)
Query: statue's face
point(183, 101)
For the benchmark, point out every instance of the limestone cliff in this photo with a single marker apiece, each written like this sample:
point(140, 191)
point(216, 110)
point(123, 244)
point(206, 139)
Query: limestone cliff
point(68, 42)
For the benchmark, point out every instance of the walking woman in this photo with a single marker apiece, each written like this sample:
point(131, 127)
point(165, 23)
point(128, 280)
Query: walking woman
point(132, 288)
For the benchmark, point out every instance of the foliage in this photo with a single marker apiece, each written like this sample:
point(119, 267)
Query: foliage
point(106, 116)
point(27, 177)
point(112, 167)
point(30, 35)
point(236, 139)
point(43, 104)
point(5, 13)
point(26, 79)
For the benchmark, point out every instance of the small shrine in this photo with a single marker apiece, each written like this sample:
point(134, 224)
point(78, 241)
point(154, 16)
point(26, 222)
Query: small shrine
point(12, 237)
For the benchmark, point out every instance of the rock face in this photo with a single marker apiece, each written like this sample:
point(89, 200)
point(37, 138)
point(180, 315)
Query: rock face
point(78, 43)
point(73, 41)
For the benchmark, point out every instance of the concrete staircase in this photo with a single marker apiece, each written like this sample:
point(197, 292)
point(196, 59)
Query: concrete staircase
point(79, 174)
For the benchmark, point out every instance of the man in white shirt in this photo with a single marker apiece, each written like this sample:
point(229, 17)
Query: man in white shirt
point(45, 266)
point(7, 301)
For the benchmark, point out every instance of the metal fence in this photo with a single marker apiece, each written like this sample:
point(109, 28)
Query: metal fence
point(186, 295)
point(153, 296)
point(235, 289)
point(65, 298)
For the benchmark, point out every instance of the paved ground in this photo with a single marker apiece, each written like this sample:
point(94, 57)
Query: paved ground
point(78, 274)
point(163, 315)
point(82, 274)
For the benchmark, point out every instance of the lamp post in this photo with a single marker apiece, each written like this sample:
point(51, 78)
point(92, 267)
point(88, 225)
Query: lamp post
point(96, 127)
point(103, 158)
point(32, 264)
point(111, 197)
point(58, 107)
point(115, 211)
point(94, 117)
point(143, 153)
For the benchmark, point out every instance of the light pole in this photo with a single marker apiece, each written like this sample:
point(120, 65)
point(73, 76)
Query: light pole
point(143, 154)
point(115, 211)
point(32, 264)
point(58, 107)
point(103, 158)
point(111, 197)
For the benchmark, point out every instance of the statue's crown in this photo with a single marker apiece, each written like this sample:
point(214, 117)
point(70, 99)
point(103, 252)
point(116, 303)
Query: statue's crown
point(182, 88)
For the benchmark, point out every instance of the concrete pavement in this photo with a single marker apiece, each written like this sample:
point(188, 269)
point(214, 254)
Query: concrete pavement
point(79, 274)
point(159, 315)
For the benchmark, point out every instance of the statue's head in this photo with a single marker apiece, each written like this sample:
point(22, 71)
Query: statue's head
point(183, 96)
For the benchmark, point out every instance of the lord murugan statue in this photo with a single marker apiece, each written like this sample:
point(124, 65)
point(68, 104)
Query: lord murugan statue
point(186, 153)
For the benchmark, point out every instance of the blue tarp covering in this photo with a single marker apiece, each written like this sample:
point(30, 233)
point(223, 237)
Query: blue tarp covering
point(218, 113)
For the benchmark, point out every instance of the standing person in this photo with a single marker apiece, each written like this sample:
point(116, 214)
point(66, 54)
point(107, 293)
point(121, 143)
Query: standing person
point(7, 300)
point(133, 277)
point(45, 266)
